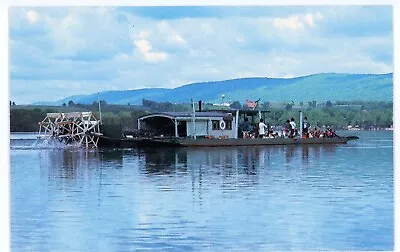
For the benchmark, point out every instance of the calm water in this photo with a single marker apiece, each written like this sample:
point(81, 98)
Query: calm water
point(242, 199)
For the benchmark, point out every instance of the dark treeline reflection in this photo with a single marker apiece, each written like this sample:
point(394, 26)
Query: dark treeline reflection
point(164, 160)
point(70, 163)
point(112, 156)
point(237, 160)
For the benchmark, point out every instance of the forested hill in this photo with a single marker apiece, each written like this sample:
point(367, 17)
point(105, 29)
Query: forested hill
point(318, 87)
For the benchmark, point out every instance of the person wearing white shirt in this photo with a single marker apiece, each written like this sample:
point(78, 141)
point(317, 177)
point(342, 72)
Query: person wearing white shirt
point(261, 128)
point(293, 127)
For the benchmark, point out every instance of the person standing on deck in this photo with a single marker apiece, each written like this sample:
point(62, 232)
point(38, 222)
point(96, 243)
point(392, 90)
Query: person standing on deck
point(286, 131)
point(246, 125)
point(245, 128)
point(261, 128)
point(292, 127)
point(306, 125)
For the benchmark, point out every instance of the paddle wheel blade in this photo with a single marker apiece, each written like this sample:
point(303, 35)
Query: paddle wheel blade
point(74, 128)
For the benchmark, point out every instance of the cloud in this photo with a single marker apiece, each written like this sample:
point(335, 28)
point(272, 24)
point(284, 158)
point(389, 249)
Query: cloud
point(144, 33)
point(144, 47)
point(65, 34)
point(32, 16)
point(114, 48)
point(177, 39)
point(310, 19)
point(356, 21)
point(292, 22)
point(168, 32)
point(297, 22)
point(240, 39)
point(78, 31)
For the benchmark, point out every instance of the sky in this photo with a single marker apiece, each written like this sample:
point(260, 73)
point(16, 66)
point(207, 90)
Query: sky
point(55, 52)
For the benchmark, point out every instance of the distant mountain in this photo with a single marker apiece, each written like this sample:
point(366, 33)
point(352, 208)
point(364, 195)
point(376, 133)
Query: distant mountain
point(319, 87)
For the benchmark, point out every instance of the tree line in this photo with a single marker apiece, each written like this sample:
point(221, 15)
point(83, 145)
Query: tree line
point(338, 118)
point(116, 118)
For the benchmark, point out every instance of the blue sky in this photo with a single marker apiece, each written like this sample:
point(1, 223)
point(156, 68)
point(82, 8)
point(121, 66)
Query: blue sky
point(62, 51)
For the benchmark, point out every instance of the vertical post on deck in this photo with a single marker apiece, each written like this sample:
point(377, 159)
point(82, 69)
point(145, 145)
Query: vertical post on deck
point(138, 124)
point(301, 124)
point(193, 120)
point(209, 127)
point(236, 124)
point(176, 128)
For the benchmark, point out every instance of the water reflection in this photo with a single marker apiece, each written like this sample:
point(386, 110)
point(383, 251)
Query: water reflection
point(327, 196)
point(67, 163)
point(230, 169)
point(114, 156)
point(162, 161)
point(225, 161)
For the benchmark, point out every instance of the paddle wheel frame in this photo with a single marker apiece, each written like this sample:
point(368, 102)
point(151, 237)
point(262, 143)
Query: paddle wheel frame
point(81, 128)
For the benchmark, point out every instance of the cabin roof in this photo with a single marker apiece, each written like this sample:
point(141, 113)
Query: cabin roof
point(188, 115)
point(197, 113)
point(203, 114)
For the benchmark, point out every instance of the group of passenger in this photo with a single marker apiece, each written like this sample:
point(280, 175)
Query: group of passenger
point(316, 133)
point(290, 130)
point(320, 133)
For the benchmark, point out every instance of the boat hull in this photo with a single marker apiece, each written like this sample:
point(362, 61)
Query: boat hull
point(108, 142)
point(202, 142)
point(206, 142)
point(257, 142)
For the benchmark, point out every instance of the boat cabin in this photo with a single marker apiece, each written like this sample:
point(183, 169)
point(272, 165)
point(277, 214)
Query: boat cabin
point(185, 124)
point(200, 124)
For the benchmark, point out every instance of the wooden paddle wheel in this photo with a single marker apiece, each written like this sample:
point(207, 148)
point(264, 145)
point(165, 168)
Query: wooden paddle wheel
point(75, 128)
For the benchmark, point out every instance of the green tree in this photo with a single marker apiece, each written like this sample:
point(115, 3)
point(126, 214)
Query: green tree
point(266, 105)
point(236, 105)
point(314, 104)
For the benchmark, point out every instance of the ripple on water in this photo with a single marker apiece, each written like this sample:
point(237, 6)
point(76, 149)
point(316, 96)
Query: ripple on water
point(235, 199)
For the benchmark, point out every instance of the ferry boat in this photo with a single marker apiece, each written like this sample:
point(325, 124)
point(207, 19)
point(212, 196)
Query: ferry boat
point(206, 129)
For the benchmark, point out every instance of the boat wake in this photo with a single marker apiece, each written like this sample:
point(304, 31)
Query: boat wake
point(38, 144)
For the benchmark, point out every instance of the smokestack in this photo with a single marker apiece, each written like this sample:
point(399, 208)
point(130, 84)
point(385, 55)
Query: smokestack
point(199, 106)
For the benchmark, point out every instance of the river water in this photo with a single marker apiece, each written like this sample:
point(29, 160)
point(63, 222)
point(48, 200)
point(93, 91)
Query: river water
point(333, 197)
